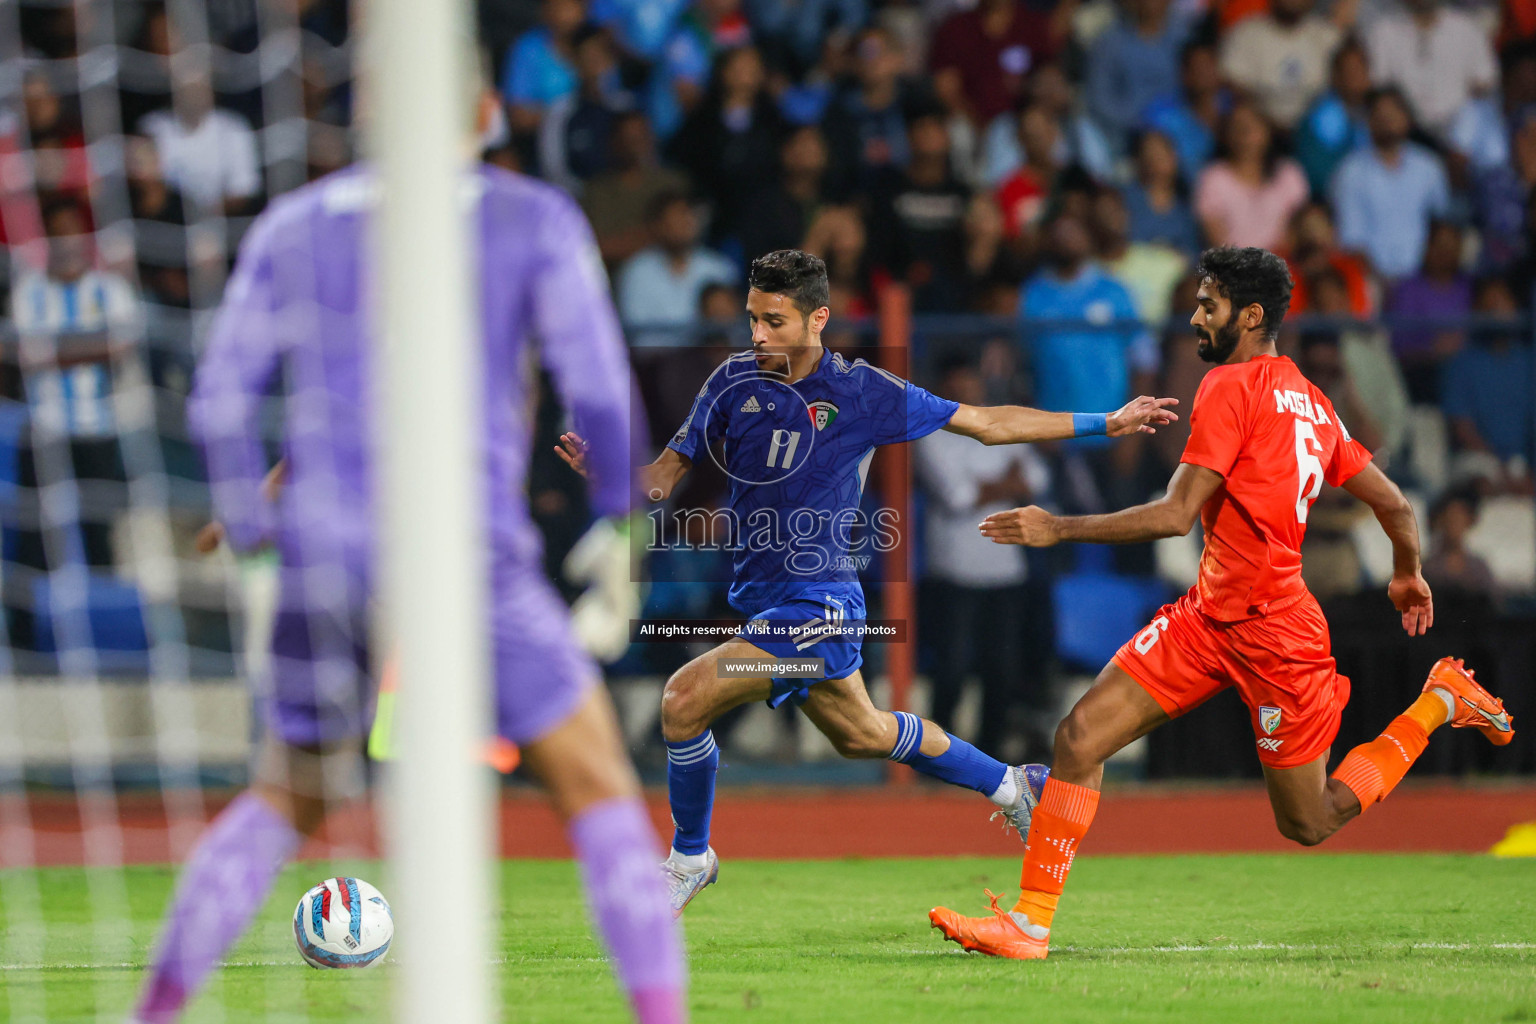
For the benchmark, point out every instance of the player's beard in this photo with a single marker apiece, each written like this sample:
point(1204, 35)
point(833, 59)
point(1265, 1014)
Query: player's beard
point(775, 366)
point(1216, 349)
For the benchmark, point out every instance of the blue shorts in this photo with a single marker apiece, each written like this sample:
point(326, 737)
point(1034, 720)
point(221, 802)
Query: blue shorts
point(790, 630)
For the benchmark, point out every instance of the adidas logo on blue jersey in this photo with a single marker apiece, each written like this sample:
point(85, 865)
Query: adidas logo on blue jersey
point(751, 405)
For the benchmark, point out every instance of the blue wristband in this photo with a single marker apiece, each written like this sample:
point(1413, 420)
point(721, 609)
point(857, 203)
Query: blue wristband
point(1086, 423)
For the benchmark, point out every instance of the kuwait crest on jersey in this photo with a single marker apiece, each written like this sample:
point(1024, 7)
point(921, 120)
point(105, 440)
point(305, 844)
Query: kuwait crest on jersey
point(1269, 718)
point(822, 414)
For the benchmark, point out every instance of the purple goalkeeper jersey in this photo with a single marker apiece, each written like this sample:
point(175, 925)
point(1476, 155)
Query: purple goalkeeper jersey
point(295, 322)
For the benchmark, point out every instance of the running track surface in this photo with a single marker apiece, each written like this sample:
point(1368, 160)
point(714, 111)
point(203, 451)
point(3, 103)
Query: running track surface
point(862, 822)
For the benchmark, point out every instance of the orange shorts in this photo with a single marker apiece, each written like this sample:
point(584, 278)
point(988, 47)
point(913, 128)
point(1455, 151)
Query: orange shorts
point(1280, 663)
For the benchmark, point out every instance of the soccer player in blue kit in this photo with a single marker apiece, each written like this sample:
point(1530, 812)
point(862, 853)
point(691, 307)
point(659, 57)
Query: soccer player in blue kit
point(799, 426)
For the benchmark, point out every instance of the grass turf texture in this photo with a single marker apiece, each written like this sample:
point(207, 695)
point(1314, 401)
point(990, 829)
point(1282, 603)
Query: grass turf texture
point(1350, 938)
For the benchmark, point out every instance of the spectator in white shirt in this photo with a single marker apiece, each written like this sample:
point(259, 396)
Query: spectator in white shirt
point(1438, 56)
point(978, 608)
point(1281, 58)
point(208, 154)
point(659, 286)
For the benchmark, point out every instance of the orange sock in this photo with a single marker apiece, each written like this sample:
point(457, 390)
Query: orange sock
point(1058, 826)
point(1372, 770)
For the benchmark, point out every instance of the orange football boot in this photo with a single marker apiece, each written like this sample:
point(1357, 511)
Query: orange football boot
point(999, 935)
point(1476, 708)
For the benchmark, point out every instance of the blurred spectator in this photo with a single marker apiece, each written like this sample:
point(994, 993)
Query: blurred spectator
point(682, 72)
point(1131, 64)
point(1366, 388)
point(867, 124)
point(1281, 58)
point(1480, 132)
point(918, 227)
point(1385, 195)
point(72, 321)
point(974, 592)
point(159, 226)
point(617, 199)
point(48, 31)
point(59, 159)
point(1022, 195)
point(1080, 324)
point(1330, 562)
point(980, 57)
point(1247, 195)
point(659, 286)
point(1439, 289)
point(208, 153)
point(1155, 201)
point(539, 68)
point(729, 144)
point(1450, 568)
point(576, 134)
point(1522, 275)
point(1079, 142)
point(781, 211)
point(1487, 397)
point(1336, 125)
point(1149, 269)
point(1311, 248)
point(1437, 55)
point(641, 27)
point(837, 235)
point(795, 33)
point(1191, 117)
point(1500, 199)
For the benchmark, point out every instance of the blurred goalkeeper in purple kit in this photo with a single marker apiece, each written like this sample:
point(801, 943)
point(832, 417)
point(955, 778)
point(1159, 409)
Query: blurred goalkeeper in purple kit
point(296, 317)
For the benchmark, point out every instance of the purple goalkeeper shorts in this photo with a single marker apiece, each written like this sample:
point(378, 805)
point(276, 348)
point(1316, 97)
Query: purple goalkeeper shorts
point(322, 683)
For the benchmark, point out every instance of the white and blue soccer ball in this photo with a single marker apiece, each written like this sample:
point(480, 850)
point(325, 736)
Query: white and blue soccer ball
point(343, 922)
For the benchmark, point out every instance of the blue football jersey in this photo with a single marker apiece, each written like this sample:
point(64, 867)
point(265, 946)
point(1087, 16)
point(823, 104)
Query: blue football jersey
point(797, 456)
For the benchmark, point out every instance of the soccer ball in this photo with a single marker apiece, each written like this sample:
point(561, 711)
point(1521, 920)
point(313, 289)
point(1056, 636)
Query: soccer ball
point(343, 922)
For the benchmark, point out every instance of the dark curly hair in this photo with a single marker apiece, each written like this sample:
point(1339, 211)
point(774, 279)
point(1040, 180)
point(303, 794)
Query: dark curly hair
point(1248, 276)
point(797, 274)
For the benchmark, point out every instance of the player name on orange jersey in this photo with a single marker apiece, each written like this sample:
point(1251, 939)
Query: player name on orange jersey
point(1300, 403)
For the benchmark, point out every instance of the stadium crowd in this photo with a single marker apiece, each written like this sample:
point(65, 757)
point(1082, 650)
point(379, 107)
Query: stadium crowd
point(1039, 175)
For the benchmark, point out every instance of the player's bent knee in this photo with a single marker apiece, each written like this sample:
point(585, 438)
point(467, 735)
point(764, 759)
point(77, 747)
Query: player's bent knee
point(1303, 833)
point(1076, 742)
point(860, 745)
point(685, 710)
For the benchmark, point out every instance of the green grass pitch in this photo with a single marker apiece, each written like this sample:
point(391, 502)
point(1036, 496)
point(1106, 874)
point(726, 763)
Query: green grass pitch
point(1349, 938)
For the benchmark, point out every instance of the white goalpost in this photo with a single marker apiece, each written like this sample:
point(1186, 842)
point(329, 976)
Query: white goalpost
point(439, 807)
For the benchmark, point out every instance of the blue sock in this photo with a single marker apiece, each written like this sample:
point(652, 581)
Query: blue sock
point(960, 765)
point(691, 767)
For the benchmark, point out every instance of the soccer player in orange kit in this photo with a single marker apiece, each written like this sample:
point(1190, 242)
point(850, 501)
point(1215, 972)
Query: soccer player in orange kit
point(1262, 441)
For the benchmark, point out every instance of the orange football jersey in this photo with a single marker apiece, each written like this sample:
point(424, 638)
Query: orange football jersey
point(1275, 438)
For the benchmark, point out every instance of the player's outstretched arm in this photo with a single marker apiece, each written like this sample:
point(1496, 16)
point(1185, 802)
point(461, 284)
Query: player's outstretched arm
point(1409, 593)
point(1172, 515)
point(1017, 424)
point(656, 479)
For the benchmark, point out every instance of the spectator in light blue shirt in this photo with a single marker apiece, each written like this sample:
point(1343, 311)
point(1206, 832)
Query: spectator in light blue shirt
point(1335, 125)
point(658, 288)
point(642, 27)
point(1131, 64)
point(1487, 396)
point(1385, 195)
point(539, 69)
point(1191, 116)
point(1081, 326)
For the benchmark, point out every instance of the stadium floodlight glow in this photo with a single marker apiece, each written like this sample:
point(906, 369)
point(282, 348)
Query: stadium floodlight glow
point(427, 406)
